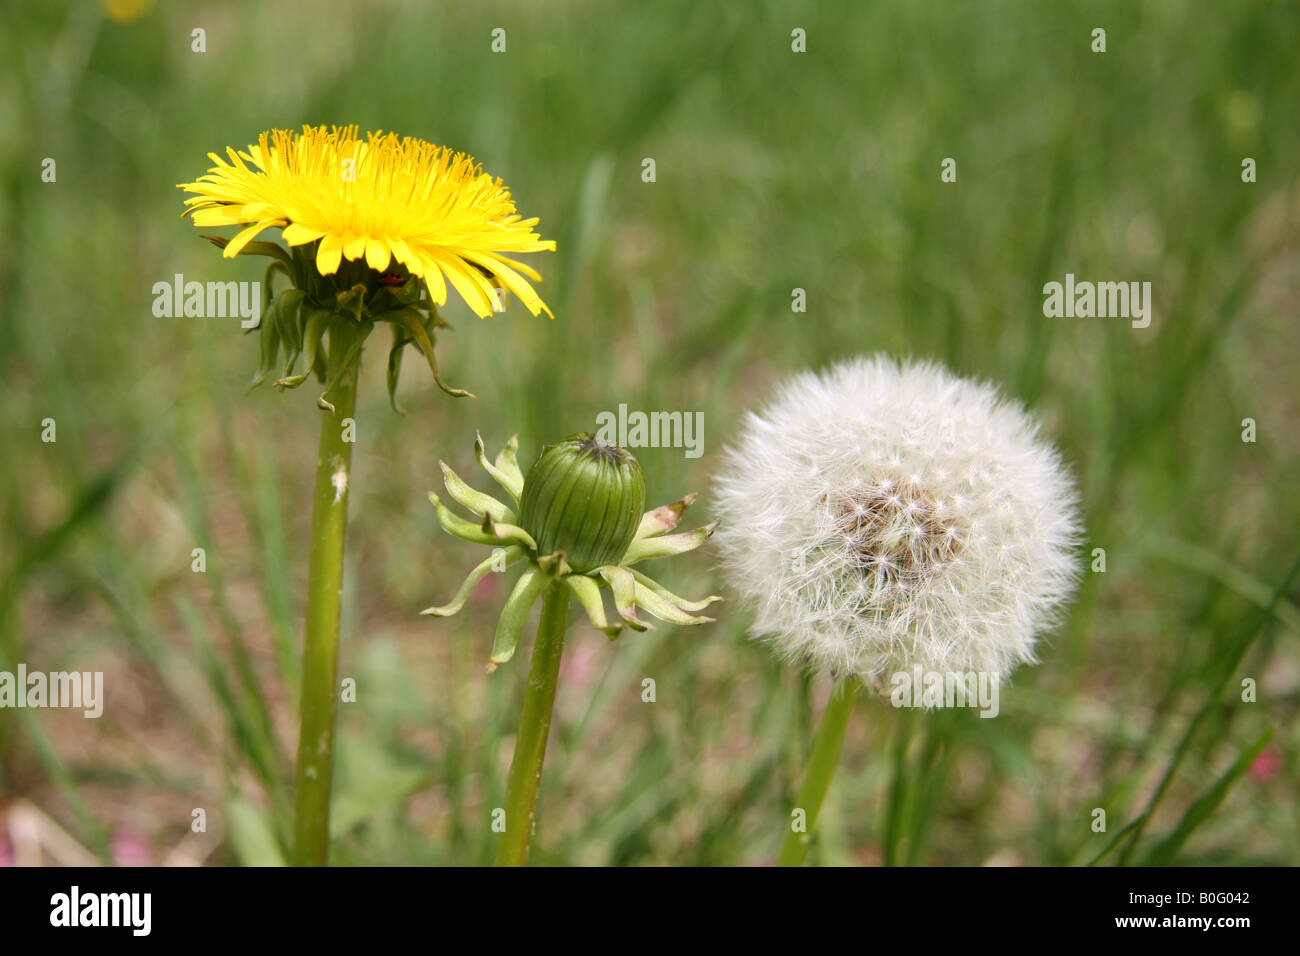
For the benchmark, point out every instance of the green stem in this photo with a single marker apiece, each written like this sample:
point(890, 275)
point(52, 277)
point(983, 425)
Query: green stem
point(821, 768)
point(320, 654)
point(534, 727)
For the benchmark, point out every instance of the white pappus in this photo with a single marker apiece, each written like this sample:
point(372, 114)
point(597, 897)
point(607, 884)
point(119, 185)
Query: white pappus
point(883, 515)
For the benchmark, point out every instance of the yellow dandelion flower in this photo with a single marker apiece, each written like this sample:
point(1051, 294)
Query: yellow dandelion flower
point(384, 199)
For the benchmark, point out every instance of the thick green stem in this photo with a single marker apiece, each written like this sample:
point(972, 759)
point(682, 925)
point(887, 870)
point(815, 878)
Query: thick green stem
point(320, 654)
point(821, 768)
point(534, 727)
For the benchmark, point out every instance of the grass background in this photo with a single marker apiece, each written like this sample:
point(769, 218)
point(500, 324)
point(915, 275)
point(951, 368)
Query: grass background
point(775, 171)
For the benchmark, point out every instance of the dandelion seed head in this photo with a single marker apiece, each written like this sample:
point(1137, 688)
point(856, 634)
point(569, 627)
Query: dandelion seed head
point(934, 527)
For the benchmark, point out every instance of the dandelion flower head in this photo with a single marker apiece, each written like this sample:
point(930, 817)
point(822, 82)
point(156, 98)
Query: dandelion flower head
point(381, 200)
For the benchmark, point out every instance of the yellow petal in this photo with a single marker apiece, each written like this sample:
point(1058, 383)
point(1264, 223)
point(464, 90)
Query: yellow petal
point(245, 237)
point(328, 255)
point(377, 255)
point(354, 247)
point(296, 234)
point(219, 216)
point(513, 281)
point(523, 267)
point(433, 278)
point(402, 253)
point(474, 297)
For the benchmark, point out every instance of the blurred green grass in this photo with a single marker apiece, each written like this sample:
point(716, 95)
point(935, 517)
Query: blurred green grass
point(775, 171)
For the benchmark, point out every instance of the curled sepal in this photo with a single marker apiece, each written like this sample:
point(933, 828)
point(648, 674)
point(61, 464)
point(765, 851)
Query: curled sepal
point(454, 524)
point(255, 248)
point(414, 326)
point(497, 562)
point(623, 585)
point(269, 325)
point(507, 460)
point(644, 548)
point(652, 585)
point(269, 340)
point(400, 340)
point(665, 610)
point(502, 531)
point(317, 319)
point(511, 481)
point(664, 518)
point(351, 349)
point(475, 501)
point(288, 304)
point(588, 594)
point(527, 589)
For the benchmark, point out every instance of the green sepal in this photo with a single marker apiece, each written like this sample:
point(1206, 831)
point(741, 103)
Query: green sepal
point(651, 584)
point(268, 281)
point(511, 480)
point(458, 526)
point(481, 570)
point(555, 564)
point(353, 301)
point(408, 293)
point(291, 333)
point(507, 460)
point(503, 531)
point(340, 365)
point(511, 622)
point(400, 340)
point(623, 585)
point(256, 248)
point(269, 342)
point(414, 325)
point(664, 518)
point(314, 328)
point(644, 548)
point(664, 610)
point(588, 594)
point(476, 501)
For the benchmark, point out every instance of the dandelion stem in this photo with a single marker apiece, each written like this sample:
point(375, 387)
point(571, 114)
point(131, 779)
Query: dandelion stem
point(534, 726)
point(821, 768)
point(320, 652)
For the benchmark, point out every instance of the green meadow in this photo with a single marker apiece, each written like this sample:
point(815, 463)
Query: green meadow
point(798, 214)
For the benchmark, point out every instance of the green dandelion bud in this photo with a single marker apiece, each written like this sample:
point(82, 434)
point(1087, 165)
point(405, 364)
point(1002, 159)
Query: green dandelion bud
point(583, 499)
point(578, 518)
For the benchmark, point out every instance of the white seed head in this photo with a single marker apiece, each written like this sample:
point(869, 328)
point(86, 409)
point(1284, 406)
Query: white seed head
point(882, 515)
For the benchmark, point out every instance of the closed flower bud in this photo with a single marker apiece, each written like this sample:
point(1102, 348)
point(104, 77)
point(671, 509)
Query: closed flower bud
point(585, 499)
point(576, 520)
